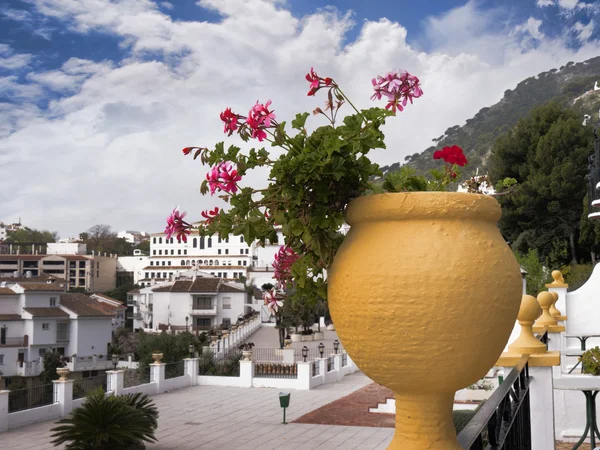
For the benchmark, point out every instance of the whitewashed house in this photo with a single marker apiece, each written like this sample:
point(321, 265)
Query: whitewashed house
point(38, 317)
point(205, 302)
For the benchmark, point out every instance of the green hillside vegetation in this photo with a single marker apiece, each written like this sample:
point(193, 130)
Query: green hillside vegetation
point(570, 86)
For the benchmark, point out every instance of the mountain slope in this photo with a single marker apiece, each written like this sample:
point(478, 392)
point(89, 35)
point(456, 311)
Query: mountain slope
point(571, 85)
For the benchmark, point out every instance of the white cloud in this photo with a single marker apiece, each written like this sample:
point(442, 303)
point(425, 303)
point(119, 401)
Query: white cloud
point(108, 150)
point(166, 5)
point(583, 32)
point(531, 27)
point(568, 4)
point(10, 61)
point(542, 3)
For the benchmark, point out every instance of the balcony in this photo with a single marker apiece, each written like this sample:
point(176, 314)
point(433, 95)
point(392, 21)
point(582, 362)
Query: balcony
point(14, 342)
point(30, 368)
point(204, 310)
point(62, 336)
point(79, 363)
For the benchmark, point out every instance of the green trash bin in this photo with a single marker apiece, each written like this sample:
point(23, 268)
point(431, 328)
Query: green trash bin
point(284, 402)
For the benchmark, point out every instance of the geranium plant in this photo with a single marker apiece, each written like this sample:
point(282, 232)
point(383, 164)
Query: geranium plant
point(312, 181)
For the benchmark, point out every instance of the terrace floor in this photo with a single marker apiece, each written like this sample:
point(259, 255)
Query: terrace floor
point(214, 418)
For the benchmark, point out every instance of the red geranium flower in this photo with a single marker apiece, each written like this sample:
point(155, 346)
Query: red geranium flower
point(451, 155)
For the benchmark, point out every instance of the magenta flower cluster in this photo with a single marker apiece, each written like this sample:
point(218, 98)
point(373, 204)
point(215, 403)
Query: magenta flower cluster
point(398, 87)
point(284, 259)
point(176, 225)
point(223, 177)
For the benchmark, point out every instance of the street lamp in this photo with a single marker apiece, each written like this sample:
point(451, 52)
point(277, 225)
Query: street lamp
point(115, 360)
point(187, 318)
point(336, 346)
point(305, 353)
point(191, 350)
point(321, 349)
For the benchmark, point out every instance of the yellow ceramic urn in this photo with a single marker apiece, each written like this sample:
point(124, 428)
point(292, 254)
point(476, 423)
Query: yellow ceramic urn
point(424, 293)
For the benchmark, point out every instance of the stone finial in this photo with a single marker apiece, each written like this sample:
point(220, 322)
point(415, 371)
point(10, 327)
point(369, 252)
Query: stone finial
point(527, 343)
point(63, 372)
point(558, 277)
point(545, 299)
point(554, 312)
point(157, 357)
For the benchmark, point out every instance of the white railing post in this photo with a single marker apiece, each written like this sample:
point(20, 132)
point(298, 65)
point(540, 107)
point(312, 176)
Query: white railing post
point(541, 397)
point(246, 373)
point(304, 375)
point(4, 410)
point(289, 355)
point(63, 394)
point(157, 373)
point(322, 369)
point(337, 359)
point(190, 368)
point(116, 381)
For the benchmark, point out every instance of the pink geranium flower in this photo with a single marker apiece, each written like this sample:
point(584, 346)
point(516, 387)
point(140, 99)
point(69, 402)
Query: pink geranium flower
point(223, 177)
point(316, 82)
point(230, 119)
point(259, 118)
point(271, 301)
point(284, 259)
point(398, 87)
point(176, 225)
point(210, 215)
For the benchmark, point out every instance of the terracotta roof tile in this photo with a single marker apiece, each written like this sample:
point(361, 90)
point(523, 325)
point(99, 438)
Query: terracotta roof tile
point(7, 291)
point(42, 287)
point(84, 306)
point(229, 288)
point(109, 298)
point(8, 317)
point(205, 284)
point(46, 312)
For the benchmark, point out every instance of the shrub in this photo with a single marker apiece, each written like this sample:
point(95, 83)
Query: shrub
point(99, 423)
point(591, 361)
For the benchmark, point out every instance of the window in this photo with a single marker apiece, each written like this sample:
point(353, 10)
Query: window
point(187, 263)
point(45, 326)
point(219, 240)
point(41, 351)
point(227, 239)
point(183, 262)
point(210, 241)
point(164, 274)
point(239, 262)
point(171, 240)
point(203, 323)
point(193, 262)
point(98, 265)
point(172, 252)
point(169, 262)
point(62, 331)
point(52, 301)
point(157, 275)
point(216, 262)
point(154, 240)
point(195, 243)
point(160, 252)
point(179, 252)
point(1, 360)
point(227, 251)
point(212, 273)
point(201, 242)
point(241, 238)
point(160, 240)
point(226, 302)
point(147, 274)
point(163, 263)
point(152, 275)
point(206, 262)
point(244, 262)
point(82, 264)
point(151, 263)
point(185, 252)
point(228, 263)
point(226, 322)
point(210, 262)
point(219, 274)
point(154, 252)
point(246, 251)
point(219, 251)
point(241, 251)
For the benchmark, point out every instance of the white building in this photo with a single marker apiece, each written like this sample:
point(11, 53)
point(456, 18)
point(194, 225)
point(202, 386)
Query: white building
point(112, 305)
point(134, 265)
point(39, 317)
point(66, 248)
point(205, 301)
point(133, 237)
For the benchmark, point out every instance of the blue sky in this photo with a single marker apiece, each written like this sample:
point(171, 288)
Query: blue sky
point(98, 96)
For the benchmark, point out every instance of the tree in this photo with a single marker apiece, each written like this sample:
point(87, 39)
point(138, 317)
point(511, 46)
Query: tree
point(98, 423)
point(52, 361)
point(547, 154)
point(29, 236)
point(537, 275)
point(120, 293)
point(589, 232)
point(100, 238)
point(175, 347)
point(144, 246)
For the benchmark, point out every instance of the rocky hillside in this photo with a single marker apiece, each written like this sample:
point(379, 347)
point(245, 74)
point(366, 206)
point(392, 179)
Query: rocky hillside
point(571, 85)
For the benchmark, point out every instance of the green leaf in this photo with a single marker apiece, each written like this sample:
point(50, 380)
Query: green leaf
point(299, 122)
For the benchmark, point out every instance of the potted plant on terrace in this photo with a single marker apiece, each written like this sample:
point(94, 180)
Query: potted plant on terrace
point(246, 349)
point(415, 254)
point(590, 360)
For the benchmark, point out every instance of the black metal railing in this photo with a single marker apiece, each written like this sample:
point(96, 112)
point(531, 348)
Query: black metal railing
point(34, 397)
point(316, 368)
point(173, 370)
point(136, 377)
point(330, 363)
point(503, 422)
point(267, 354)
point(82, 387)
point(344, 359)
point(275, 370)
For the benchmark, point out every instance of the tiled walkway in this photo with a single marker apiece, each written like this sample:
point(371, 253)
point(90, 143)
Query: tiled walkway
point(214, 418)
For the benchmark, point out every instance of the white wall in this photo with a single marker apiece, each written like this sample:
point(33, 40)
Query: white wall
point(92, 336)
point(28, 416)
point(9, 304)
point(583, 307)
point(133, 264)
point(9, 367)
point(237, 306)
point(39, 336)
point(39, 300)
point(63, 248)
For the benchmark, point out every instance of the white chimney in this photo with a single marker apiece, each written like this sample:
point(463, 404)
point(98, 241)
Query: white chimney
point(15, 274)
point(28, 274)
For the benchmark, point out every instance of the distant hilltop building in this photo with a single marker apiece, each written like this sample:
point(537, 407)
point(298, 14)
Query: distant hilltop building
point(5, 228)
point(133, 237)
